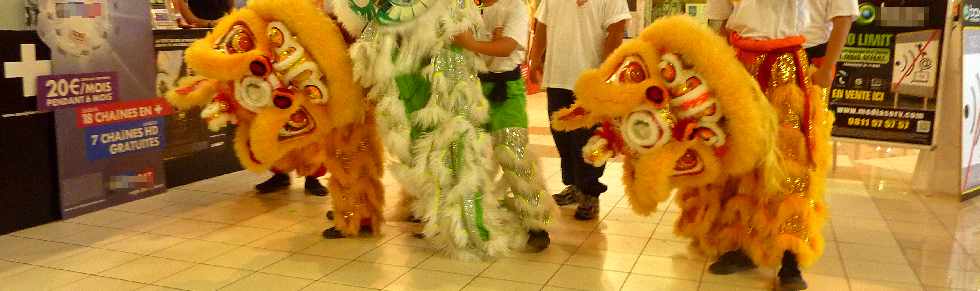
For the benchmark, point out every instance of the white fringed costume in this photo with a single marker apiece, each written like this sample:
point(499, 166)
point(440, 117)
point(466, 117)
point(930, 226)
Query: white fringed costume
point(431, 113)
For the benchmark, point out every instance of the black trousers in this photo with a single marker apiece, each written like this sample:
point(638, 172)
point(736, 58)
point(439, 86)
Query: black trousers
point(574, 170)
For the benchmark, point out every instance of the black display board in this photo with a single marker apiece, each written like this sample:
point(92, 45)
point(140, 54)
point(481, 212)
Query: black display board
point(193, 152)
point(29, 183)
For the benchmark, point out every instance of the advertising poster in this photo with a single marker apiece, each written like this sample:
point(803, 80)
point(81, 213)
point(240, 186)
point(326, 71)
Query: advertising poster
point(192, 152)
point(99, 53)
point(887, 74)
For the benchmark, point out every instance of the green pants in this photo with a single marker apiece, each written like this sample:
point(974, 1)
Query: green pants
point(511, 112)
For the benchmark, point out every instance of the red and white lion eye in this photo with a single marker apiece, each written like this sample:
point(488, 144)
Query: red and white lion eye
point(631, 71)
point(239, 39)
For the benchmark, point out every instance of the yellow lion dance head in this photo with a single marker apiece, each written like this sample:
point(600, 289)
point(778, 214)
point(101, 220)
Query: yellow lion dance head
point(681, 108)
point(279, 70)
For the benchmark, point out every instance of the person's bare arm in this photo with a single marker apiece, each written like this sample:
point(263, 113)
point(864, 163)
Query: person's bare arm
point(614, 37)
point(835, 45)
point(498, 47)
point(538, 43)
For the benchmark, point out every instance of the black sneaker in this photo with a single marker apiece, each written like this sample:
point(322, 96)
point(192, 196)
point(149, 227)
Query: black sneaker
point(278, 182)
point(314, 187)
point(588, 208)
point(333, 233)
point(790, 277)
point(791, 282)
point(731, 262)
point(567, 196)
point(538, 240)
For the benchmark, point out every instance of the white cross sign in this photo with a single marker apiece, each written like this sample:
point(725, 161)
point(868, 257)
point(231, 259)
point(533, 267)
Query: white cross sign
point(28, 69)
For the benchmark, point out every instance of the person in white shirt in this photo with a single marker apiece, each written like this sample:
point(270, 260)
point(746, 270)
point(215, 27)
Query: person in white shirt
point(826, 31)
point(786, 229)
point(502, 42)
point(571, 37)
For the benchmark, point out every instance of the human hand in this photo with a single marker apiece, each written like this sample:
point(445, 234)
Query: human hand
point(823, 77)
point(464, 39)
point(535, 71)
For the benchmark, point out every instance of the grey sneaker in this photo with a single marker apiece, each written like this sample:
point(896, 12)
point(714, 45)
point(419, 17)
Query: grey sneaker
point(588, 208)
point(567, 197)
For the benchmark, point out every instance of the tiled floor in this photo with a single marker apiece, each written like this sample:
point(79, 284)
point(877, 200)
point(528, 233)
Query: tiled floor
point(218, 234)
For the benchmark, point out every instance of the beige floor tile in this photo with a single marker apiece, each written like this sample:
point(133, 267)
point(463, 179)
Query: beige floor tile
point(672, 249)
point(666, 232)
point(568, 237)
point(144, 243)
point(871, 253)
point(36, 252)
point(105, 217)
point(203, 277)
point(615, 243)
point(97, 236)
point(610, 261)
point(39, 278)
point(147, 269)
point(487, 284)
point(858, 235)
point(143, 205)
point(636, 229)
point(275, 221)
point(248, 258)
point(142, 222)
point(10, 268)
point(186, 228)
point(287, 241)
point(627, 215)
point(409, 239)
point(522, 271)
point(864, 270)
point(326, 286)
point(265, 282)
point(942, 277)
point(196, 251)
point(825, 282)
point(238, 235)
point(96, 283)
point(94, 261)
point(429, 280)
point(52, 231)
point(637, 282)
point(669, 267)
point(727, 287)
point(555, 253)
point(587, 279)
point(180, 210)
point(311, 225)
point(959, 260)
point(440, 262)
point(305, 266)
point(368, 275)
point(829, 266)
point(866, 285)
point(397, 255)
point(228, 215)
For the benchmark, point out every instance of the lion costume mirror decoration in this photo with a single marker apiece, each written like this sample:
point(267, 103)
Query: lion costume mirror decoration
point(687, 116)
point(279, 70)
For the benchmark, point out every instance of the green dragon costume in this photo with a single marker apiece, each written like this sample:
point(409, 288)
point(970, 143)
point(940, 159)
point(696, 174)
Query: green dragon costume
point(434, 118)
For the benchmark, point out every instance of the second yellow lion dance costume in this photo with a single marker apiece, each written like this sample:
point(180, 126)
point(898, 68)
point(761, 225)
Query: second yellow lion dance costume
point(749, 164)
